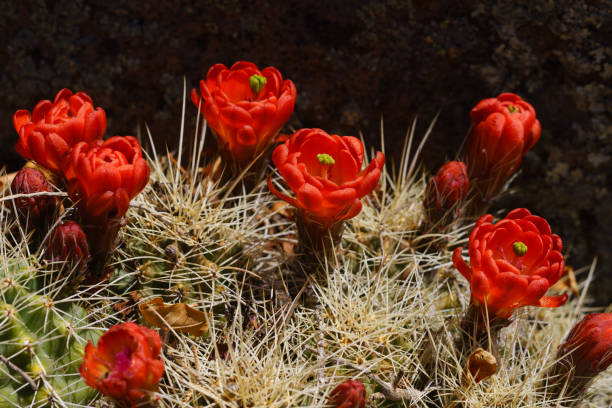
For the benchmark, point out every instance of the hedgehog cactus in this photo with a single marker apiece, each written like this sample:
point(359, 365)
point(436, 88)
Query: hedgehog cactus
point(41, 342)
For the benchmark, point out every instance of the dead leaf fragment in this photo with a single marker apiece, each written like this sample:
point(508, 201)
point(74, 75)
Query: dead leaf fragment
point(567, 283)
point(282, 208)
point(480, 365)
point(7, 179)
point(179, 316)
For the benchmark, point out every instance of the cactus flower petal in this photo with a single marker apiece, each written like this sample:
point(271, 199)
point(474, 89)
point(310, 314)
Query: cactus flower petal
point(125, 365)
point(513, 263)
point(245, 107)
point(54, 127)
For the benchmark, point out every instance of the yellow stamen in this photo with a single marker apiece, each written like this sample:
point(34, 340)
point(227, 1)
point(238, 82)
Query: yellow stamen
point(326, 160)
point(520, 248)
point(257, 82)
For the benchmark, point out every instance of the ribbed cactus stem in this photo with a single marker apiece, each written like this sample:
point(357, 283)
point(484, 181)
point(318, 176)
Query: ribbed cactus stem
point(41, 342)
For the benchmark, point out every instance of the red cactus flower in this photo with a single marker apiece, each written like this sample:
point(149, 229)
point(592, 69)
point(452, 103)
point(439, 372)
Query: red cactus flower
point(513, 263)
point(245, 107)
point(348, 394)
point(589, 345)
point(35, 209)
point(53, 128)
point(125, 365)
point(104, 176)
point(503, 130)
point(68, 243)
point(324, 172)
point(446, 190)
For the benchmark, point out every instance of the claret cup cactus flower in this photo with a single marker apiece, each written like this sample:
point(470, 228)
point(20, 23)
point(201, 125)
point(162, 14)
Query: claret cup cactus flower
point(47, 134)
point(348, 394)
point(324, 171)
point(125, 365)
point(503, 130)
point(103, 177)
point(512, 264)
point(245, 108)
point(586, 352)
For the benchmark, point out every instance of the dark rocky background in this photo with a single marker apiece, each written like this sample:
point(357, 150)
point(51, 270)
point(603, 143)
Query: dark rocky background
point(352, 62)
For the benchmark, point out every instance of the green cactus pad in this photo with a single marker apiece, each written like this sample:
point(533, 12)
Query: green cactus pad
point(44, 339)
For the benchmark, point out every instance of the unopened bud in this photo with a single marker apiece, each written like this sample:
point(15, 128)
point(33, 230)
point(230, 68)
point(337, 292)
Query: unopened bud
point(586, 352)
point(348, 394)
point(480, 365)
point(37, 208)
point(446, 191)
point(68, 243)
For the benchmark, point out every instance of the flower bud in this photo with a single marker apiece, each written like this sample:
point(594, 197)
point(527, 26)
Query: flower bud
point(68, 243)
point(503, 130)
point(348, 394)
point(480, 365)
point(35, 209)
point(446, 190)
point(586, 352)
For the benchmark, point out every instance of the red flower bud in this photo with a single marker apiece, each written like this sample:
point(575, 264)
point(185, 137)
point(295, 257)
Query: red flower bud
point(104, 176)
point(589, 345)
point(503, 130)
point(348, 394)
point(446, 190)
point(513, 263)
point(245, 107)
point(35, 209)
point(586, 352)
point(53, 128)
point(126, 364)
point(68, 243)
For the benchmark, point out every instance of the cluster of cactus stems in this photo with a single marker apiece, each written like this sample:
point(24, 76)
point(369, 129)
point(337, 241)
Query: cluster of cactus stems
point(41, 342)
point(341, 294)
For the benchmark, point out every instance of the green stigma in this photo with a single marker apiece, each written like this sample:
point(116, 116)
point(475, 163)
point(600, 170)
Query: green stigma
point(520, 248)
point(512, 109)
point(325, 158)
point(257, 82)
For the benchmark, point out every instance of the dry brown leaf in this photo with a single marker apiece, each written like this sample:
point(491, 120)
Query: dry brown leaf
point(282, 208)
point(179, 316)
point(288, 248)
point(7, 179)
point(567, 283)
point(125, 309)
